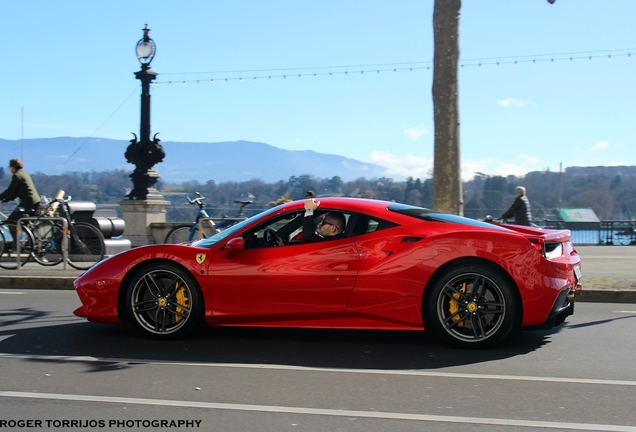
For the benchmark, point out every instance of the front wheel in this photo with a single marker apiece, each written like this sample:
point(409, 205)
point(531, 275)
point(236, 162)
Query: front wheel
point(164, 302)
point(86, 246)
point(472, 307)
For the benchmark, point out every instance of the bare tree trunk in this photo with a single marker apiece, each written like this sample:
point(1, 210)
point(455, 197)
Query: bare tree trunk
point(447, 185)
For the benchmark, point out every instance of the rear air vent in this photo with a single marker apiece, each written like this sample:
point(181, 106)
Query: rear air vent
point(411, 239)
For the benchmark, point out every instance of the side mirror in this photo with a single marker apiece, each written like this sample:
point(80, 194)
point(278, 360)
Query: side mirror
point(234, 247)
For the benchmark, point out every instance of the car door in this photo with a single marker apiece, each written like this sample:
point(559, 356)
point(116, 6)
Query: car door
point(291, 282)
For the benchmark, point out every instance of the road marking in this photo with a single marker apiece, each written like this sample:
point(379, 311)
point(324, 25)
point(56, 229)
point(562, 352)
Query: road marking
point(410, 372)
point(11, 292)
point(614, 257)
point(319, 411)
point(626, 312)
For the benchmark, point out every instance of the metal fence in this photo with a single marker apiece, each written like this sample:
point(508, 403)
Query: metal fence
point(621, 233)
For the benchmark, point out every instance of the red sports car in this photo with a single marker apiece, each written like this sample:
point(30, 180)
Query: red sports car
point(393, 267)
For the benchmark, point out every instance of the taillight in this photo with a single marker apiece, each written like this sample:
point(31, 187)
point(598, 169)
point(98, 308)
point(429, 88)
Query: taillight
point(549, 250)
point(537, 243)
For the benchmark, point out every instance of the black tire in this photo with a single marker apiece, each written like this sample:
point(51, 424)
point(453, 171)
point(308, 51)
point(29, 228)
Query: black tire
point(9, 257)
point(86, 246)
point(181, 234)
point(472, 306)
point(48, 237)
point(164, 302)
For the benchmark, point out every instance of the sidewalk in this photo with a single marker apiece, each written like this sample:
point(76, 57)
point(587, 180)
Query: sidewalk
point(609, 275)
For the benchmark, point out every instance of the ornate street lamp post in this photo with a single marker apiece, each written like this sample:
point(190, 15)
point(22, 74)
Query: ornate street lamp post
point(145, 153)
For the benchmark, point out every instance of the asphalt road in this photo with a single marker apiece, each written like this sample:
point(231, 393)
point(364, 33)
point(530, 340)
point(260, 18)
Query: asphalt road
point(608, 261)
point(58, 368)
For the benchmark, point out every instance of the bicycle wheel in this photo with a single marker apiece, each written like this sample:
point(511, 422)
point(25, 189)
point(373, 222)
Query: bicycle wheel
point(9, 257)
point(622, 238)
point(48, 237)
point(178, 234)
point(86, 246)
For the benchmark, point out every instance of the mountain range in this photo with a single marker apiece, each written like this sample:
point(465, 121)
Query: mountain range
point(187, 161)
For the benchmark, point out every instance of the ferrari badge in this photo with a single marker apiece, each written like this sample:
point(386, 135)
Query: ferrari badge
point(200, 258)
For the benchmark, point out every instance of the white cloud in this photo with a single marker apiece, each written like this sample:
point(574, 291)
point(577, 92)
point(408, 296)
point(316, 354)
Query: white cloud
point(402, 167)
point(415, 132)
point(515, 103)
point(601, 145)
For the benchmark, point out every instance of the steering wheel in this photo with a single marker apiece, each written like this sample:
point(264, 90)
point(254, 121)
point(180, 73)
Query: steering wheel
point(270, 237)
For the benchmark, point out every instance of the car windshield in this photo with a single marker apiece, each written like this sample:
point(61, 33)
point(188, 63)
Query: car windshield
point(431, 215)
point(231, 230)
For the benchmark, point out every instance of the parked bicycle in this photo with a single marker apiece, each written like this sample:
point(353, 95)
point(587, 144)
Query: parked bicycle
point(42, 239)
point(202, 227)
point(625, 235)
point(9, 254)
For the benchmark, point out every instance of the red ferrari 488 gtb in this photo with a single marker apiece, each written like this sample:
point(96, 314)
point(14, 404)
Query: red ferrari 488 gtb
point(390, 267)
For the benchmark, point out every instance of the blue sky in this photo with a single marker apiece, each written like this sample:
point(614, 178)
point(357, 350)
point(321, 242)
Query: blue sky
point(68, 66)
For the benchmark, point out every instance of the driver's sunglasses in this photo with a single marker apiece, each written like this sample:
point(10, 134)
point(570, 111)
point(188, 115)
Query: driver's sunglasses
point(324, 222)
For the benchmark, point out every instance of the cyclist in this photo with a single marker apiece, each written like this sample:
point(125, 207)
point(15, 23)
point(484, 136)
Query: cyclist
point(21, 187)
point(520, 208)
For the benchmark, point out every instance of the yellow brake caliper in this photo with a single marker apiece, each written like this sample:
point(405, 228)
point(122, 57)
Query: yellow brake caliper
point(182, 299)
point(453, 306)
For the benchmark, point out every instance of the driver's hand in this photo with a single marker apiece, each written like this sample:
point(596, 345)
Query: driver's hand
point(279, 241)
point(311, 204)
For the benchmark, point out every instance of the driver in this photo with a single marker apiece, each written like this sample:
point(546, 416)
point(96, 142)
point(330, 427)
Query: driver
point(331, 226)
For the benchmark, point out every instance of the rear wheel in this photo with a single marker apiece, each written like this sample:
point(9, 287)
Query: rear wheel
point(164, 302)
point(86, 246)
point(48, 237)
point(9, 257)
point(472, 306)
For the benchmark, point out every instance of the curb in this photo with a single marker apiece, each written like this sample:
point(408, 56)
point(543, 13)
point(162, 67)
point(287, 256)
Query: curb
point(35, 282)
point(606, 296)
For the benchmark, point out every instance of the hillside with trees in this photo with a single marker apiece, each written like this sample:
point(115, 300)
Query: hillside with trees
point(609, 191)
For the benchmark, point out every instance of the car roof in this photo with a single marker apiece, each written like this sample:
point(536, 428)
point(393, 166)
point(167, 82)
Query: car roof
point(343, 203)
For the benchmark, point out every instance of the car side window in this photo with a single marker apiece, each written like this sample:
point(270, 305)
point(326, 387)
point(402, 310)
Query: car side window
point(281, 227)
point(288, 227)
point(367, 224)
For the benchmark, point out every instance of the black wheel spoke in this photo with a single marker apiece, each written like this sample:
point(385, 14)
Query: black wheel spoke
point(458, 295)
point(160, 320)
point(173, 308)
point(451, 321)
point(479, 287)
point(146, 305)
point(153, 286)
point(492, 307)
